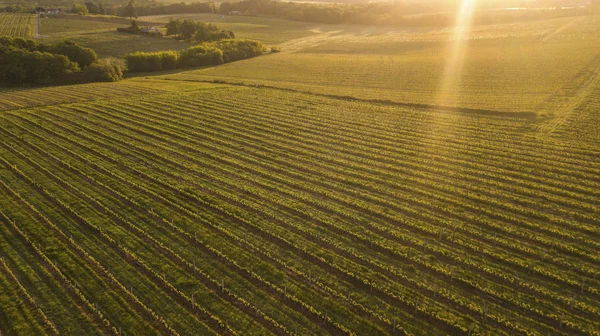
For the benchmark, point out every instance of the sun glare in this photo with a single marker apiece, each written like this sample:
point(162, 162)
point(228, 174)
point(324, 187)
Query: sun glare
point(450, 82)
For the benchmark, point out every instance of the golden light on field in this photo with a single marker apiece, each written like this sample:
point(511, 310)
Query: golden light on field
point(450, 82)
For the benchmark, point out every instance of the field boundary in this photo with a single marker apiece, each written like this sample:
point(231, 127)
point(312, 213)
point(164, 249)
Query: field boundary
point(386, 102)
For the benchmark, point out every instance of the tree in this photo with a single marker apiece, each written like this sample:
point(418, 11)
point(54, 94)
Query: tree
point(188, 29)
point(101, 9)
point(92, 8)
point(134, 26)
point(129, 10)
point(79, 9)
point(173, 27)
point(76, 53)
point(225, 8)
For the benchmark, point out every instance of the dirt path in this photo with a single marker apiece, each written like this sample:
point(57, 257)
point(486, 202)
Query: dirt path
point(36, 27)
point(575, 95)
point(561, 29)
point(309, 41)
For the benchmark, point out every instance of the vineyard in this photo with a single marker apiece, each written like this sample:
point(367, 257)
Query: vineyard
point(18, 99)
point(232, 210)
point(20, 24)
point(507, 68)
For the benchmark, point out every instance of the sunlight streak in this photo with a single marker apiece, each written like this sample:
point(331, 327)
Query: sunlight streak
point(450, 83)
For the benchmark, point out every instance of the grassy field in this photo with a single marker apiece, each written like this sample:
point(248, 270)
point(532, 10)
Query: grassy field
point(99, 33)
point(270, 31)
point(17, 24)
point(329, 189)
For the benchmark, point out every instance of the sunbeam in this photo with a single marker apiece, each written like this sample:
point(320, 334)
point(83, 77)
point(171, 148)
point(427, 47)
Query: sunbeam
point(450, 82)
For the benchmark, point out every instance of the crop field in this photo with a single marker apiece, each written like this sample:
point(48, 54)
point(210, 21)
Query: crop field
point(510, 68)
point(18, 24)
point(99, 32)
point(18, 99)
point(232, 210)
point(354, 183)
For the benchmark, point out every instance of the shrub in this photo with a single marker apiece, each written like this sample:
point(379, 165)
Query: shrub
point(275, 49)
point(204, 54)
point(170, 59)
point(147, 61)
point(79, 9)
point(105, 70)
point(235, 50)
point(200, 55)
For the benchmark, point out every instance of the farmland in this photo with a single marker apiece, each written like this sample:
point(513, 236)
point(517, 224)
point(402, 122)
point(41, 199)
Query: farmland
point(333, 188)
point(509, 68)
point(18, 25)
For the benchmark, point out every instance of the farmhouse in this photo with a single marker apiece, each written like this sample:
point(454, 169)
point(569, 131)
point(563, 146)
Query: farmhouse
point(236, 13)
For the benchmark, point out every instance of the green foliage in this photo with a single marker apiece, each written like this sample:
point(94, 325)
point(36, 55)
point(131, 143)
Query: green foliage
point(92, 8)
point(204, 54)
point(105, 70)
point(79, 9)
point(129, 10)
point(19, 43)
point(152, 61)
point(20, 66)
point(29, 62)
point(201, 55)
point(76, 53)
point(275, 49)
point(235, 50)
point(173, 27)
point(188, 28)
point(199, 31)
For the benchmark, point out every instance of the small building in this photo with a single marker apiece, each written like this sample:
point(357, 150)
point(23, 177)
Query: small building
point(48, 11)
point(236, 13)
point(149, 30)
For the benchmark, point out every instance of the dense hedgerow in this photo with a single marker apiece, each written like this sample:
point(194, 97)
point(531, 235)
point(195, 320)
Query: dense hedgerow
point(199, 31)
point(25, 61)
point(204, 54)
point(152, 61)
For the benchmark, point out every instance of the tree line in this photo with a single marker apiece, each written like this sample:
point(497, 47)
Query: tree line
point(24, 62)
point(392, 13)
point(199, 31)
point(204, 54)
